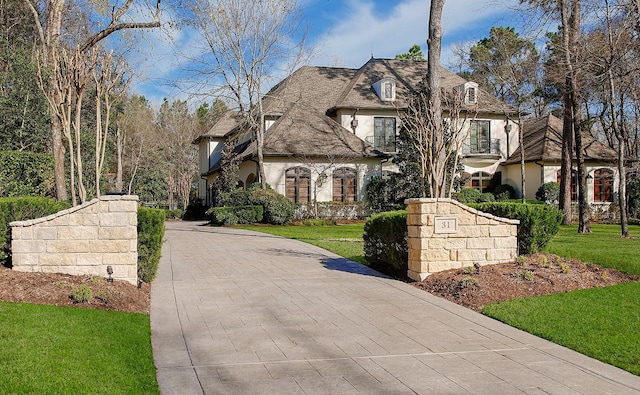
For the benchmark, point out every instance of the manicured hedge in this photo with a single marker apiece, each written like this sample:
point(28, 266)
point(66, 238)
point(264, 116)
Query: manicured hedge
point(223, 216)
point(20, 209)
point(385, 242)
point(150, 236)
point(538, 223)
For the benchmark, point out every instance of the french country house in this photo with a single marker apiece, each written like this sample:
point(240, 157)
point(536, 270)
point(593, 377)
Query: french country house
point(330, 130)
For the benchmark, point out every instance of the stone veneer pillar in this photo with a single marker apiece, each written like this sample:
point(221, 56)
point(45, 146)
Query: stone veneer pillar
point(82, 240)
point(445, 234)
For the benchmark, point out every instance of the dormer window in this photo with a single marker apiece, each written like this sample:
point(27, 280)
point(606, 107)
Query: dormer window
point(386, 89)
point(469, 90)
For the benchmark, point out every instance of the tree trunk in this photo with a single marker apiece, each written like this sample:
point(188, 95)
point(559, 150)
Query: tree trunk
point(58, 158)
point(522, 175)
point(119, 148)
point(434, 43)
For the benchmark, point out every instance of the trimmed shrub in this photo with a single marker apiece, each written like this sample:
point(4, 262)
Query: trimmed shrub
point(278, 210)
point(504, 192)
point(548, 193)
point(223, 216)
point(486, 197)
point(538, 223)
point(385, 242)
point(467, 195)
point(150, 236)
point(20, 209)
point(173, 214)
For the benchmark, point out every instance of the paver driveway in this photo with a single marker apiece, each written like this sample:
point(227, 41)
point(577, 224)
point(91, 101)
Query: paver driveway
point(236, 312)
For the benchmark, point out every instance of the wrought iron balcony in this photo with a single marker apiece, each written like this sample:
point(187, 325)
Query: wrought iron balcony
point(388, 145)
point(482, 148)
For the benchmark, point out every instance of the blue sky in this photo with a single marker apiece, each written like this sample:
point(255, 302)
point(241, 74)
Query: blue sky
point(343, 33)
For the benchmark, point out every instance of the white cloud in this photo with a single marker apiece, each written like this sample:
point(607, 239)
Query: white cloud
point(364, 31)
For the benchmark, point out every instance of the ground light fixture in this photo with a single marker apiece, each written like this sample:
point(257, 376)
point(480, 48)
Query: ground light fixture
point(109, 272)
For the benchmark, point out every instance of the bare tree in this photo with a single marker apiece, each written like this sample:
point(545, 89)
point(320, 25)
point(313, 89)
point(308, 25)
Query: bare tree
point(249, 41)
point(49, 20)
point(108, 77)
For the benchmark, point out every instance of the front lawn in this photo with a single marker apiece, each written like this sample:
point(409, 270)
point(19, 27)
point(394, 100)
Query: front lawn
point(601, 322)
point(63, 350)
point(604, 246)
point(344, 240)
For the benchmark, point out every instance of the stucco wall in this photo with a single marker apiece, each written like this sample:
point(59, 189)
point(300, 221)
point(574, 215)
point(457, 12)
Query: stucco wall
point(445, 234)
point(82, 240)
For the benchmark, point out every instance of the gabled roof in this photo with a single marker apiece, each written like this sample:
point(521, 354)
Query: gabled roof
point(542, 142)
point(228, 122)
point(408, 75)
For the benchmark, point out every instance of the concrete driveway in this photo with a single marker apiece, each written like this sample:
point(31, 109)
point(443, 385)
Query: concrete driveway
point(236, 312)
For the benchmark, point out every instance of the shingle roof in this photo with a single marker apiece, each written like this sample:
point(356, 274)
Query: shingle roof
point(304, 134)
point(542, 141)
point(227, 122)
point(408, 74)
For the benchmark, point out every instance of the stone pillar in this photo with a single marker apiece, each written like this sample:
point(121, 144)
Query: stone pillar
point(445, 234)
point(82, 240)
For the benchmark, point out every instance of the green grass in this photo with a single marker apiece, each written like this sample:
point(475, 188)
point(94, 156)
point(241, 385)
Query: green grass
point(601, 323)
point(63, 350)
point(603, 247)
point(344, 240)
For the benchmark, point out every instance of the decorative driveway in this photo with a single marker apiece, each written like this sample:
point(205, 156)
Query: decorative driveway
point(237, 312)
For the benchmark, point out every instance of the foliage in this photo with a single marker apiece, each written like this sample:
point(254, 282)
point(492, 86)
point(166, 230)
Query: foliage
point(150, 237)
point(486, 197)
point(319, 222)
point(278, 210)
point(504, 192)
point(538, 223)
point(385, 242)
point(224, 216)
point(20, 209)
point(173, 214)
point(415, 53)
point(62, 350)
point(506, 65)
point(548, 193)
point(579, 319)
point(633, 198)
point(23, 108)
point(81, 294)
point(467, 195)
point(25, 173)
point(385, 193)
point(226, 184)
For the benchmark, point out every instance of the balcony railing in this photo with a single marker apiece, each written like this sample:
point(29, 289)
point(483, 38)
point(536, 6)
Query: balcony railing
point(388, 145)
point(482, 148)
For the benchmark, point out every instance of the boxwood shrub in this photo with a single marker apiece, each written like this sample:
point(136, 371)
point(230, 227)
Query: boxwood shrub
point(278, 210)
point(20, 209)
point(150, 236)
point(538, 223)
point(385, 242)
point(223, 216)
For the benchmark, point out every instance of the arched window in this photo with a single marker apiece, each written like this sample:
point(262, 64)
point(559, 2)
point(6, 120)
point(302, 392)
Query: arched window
point(603, 185)
point(574, 184)
point(251, 178)
point(297, 184)
point(481, 181)
point(344, 185)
